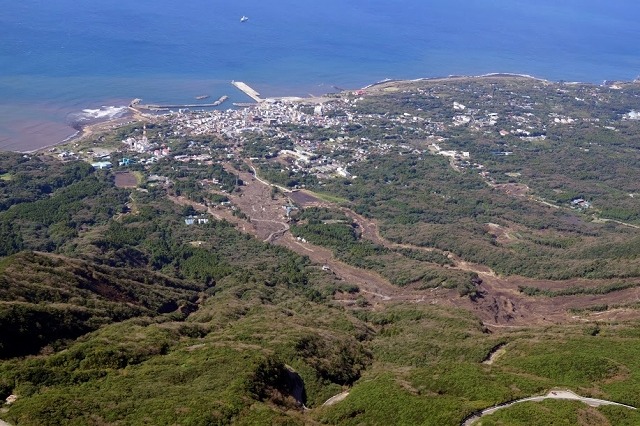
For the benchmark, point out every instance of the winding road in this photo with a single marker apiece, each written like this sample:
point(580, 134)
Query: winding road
point(553, 394)
point(274, 234)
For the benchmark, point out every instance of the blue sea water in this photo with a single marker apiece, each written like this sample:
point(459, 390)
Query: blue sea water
point(58, 58)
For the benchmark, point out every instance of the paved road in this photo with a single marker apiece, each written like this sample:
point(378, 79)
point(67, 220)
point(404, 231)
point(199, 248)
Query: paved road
point(554, 394)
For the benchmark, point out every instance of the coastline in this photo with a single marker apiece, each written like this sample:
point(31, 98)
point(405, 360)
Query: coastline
point(87, 130)
point(453, 77)
point(462, 77)
point(135, 115)
point(81, 133)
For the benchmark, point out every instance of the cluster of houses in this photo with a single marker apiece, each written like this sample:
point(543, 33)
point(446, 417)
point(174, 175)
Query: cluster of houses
point(632, 115)
point(580, 203)
point(258, 118)
point(334, 156)
point(196, 220)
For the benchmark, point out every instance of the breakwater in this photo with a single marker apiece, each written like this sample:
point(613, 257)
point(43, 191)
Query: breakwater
point(152, 107)
point(244, 87)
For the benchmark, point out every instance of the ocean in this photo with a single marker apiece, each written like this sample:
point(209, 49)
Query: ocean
point(66, 62)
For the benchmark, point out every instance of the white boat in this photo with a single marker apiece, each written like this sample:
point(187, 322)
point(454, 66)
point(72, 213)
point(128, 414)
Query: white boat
point(244, 19)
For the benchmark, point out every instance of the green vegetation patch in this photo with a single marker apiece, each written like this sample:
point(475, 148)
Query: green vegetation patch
point(46, 299)
point(335, 230)
point(422, 201)
point(572, 291)
point(594, 364)
point(548, 412)
point(330, 198)
point(377, 401)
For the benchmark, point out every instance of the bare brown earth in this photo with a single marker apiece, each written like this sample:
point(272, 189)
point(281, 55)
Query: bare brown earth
point(501, 304)
point(513, 189)
point(126, 180)
point(501, 234)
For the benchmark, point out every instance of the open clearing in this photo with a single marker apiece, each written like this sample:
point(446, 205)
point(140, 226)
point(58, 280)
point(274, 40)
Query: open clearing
point(126, 180)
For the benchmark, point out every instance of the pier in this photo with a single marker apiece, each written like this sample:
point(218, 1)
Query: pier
point(136, 104)
point(244, 87)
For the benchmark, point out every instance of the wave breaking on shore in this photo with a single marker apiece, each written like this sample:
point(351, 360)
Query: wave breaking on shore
point(90, 116)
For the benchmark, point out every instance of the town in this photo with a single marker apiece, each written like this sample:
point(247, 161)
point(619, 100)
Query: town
point(297, 141)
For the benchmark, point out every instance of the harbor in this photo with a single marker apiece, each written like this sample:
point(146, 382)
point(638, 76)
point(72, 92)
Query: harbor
point(243, 87)
point(152, 107)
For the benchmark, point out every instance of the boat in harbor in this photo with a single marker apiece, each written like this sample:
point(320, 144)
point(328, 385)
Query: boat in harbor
point(202, 97)
point(244, 19)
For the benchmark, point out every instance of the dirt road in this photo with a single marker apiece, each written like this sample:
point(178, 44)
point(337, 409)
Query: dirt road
point(334, 399)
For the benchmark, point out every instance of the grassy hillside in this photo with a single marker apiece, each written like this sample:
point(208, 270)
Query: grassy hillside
point(47, 298)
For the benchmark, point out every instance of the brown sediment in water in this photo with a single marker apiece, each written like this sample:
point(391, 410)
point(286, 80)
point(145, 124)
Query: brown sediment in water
point(88, 130)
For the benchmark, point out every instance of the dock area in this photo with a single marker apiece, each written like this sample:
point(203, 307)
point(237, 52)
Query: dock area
point(136, 104)
point(244, 87)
